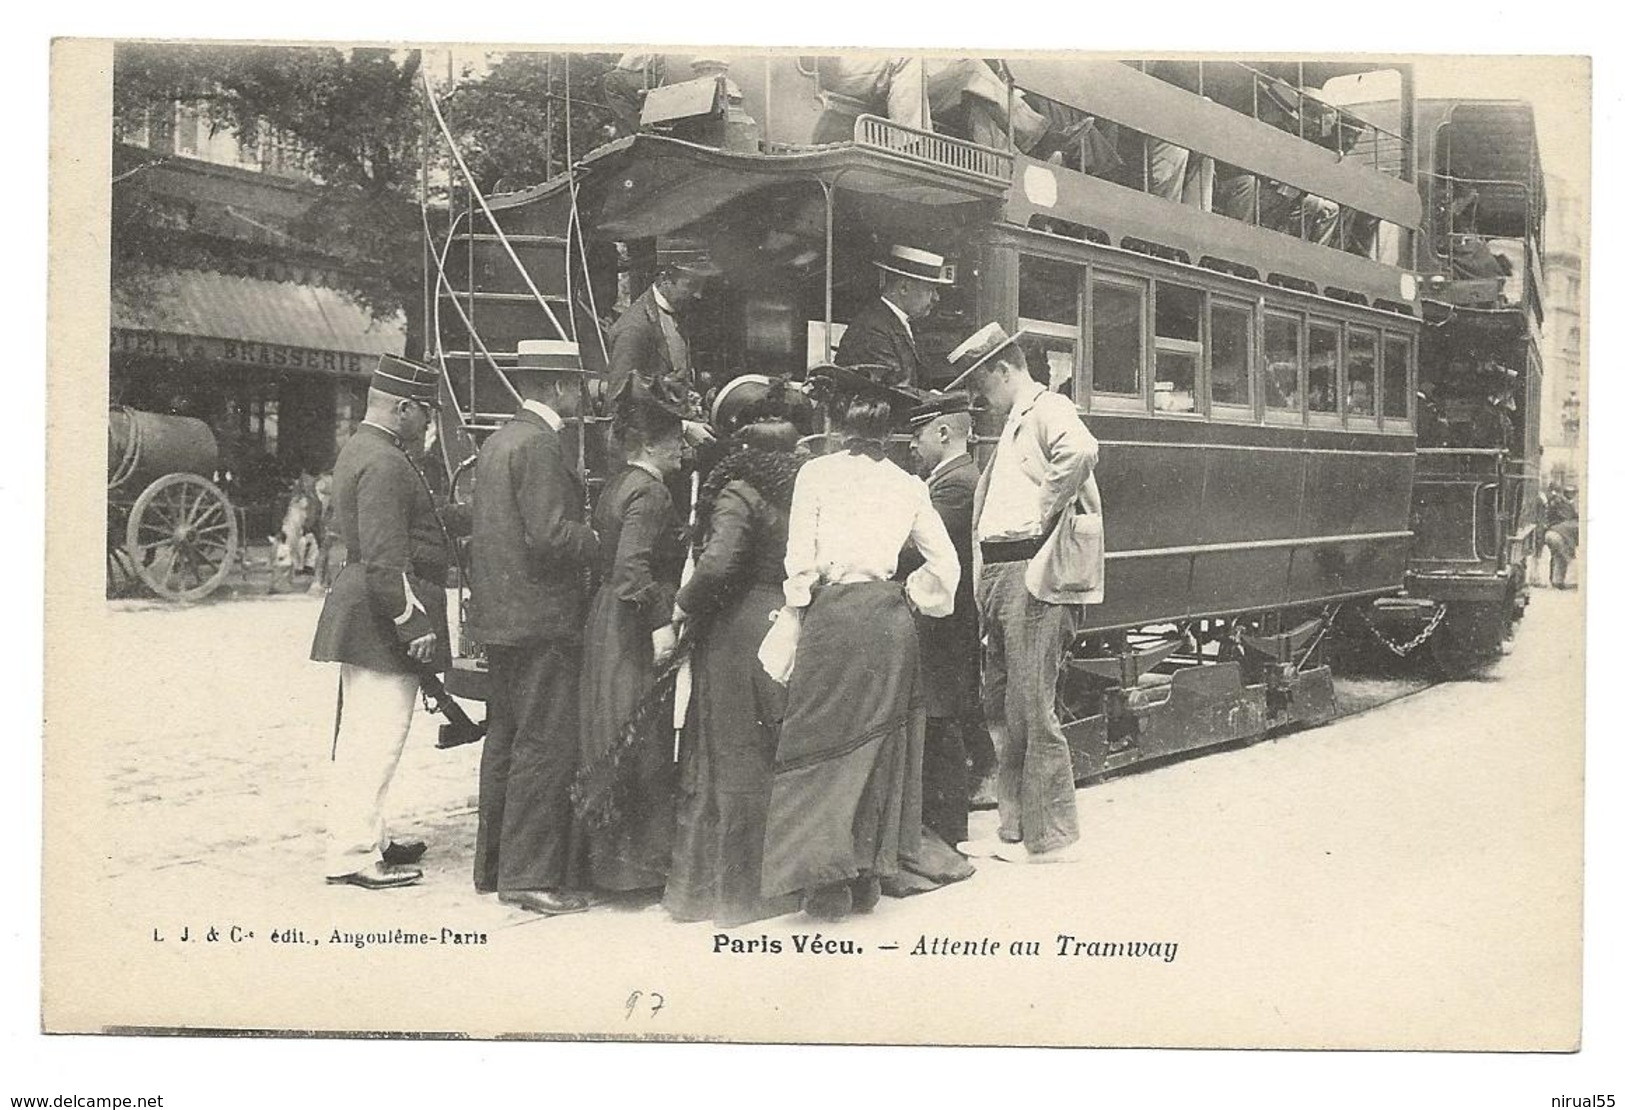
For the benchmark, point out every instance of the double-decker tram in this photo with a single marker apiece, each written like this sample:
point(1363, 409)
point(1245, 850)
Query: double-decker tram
point(1215, 261)
point(1475, 499)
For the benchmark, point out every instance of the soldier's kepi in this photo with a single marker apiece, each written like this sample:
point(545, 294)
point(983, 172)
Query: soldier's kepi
point(384, 621)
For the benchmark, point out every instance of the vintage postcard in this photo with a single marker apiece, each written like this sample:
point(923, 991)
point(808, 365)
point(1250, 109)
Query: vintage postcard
point(1159, 481)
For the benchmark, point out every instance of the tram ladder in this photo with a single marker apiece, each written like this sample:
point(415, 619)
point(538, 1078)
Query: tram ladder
point(1414, 642)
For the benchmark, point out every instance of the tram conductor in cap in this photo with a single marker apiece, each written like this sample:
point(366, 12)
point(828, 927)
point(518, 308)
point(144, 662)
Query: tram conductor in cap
point(882, 335)
point(650, 339)
point(950, 647)
point(1037, 563)
point(532, 549)
point(384, 621)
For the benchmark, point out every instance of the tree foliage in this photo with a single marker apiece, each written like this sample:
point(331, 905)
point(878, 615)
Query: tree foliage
point(501, 120)
point(358, 117)
point(355, 114)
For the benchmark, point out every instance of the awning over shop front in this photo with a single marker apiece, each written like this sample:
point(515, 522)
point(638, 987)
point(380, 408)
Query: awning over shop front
point(252, 313)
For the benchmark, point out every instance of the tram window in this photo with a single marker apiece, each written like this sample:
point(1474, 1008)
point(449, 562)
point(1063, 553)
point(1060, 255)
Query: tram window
point(1179, 347)
point(1283, 359)
point(1049, 290)
point(1362, 372)
point(1396, 393)
point(1117, 338)
point(1322, 368)
point(1232, 330)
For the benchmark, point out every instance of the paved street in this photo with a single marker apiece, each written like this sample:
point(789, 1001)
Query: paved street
point(1405, 860)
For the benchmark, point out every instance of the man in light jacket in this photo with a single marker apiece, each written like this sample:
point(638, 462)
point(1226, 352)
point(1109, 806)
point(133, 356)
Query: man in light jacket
point(1030, 589)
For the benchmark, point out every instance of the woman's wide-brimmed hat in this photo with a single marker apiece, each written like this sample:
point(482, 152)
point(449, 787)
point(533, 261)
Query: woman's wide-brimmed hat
point(751, 398)
point(828, 381)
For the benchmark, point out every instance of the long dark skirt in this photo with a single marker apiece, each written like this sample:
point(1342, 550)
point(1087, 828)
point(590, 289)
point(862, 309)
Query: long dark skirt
point(616, 671)
point(726, 773)
point(846, 782)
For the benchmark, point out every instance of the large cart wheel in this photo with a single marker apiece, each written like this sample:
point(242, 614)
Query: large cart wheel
point(182, 537)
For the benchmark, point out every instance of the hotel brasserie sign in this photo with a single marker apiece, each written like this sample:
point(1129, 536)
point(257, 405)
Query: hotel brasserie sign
point(267, 356)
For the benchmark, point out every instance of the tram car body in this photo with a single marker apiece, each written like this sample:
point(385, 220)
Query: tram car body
point(1475, 501)
point(1249, 368)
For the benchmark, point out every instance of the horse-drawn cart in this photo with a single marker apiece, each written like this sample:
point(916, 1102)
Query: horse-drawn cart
point(167, 523)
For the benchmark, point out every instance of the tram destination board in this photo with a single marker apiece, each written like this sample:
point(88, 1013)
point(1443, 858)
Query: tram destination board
point(1243, 395)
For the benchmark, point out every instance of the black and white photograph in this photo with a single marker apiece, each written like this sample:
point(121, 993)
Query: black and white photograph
point(818, 546)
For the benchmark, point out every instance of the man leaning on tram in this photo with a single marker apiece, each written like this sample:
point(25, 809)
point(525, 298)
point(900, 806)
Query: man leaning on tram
point(1038, 559)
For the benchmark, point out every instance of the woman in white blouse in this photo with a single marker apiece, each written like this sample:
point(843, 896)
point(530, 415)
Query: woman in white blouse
point(846, 786)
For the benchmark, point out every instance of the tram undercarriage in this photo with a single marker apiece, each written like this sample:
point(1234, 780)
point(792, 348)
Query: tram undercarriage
point(1134, 697)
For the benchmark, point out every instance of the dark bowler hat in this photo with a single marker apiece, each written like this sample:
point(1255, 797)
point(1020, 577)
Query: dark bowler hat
point(862, 381)
point(399, 378)
point(750, 398)
point(559, 355)
point(969, 356)
point(686, 256)
point(915, 263)
point(938, 404)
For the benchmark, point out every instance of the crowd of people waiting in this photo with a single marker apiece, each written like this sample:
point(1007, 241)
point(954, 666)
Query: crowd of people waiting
point(760, 710)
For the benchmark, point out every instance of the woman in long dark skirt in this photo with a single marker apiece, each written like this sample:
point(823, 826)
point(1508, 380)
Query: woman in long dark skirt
point(845, 806)
point(642, 559)
point(732, 731)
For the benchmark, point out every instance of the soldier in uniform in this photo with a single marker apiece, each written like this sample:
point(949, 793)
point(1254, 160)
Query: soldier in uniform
point(532, 550)
point(882, 335)
point(384, 621)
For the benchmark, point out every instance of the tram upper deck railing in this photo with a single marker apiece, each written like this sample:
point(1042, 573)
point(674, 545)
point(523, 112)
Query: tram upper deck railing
point(937, 149)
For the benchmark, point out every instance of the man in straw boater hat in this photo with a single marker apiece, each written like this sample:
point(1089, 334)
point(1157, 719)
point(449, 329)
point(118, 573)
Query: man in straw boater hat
point(882, 335)
point(650, 341)
point(384, 621)
point(1032, 580)
point(532, 550)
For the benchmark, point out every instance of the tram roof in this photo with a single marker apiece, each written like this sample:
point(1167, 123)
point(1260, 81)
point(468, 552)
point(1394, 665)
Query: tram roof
point(652, 185)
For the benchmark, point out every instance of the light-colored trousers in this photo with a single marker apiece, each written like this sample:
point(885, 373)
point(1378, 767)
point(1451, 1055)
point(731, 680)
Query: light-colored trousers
point(372, 733)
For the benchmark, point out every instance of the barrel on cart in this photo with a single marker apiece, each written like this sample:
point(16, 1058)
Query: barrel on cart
point(168, 524)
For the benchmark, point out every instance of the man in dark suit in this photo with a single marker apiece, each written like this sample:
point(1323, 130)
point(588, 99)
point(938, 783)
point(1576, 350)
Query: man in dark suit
point(384, 620)
point(532, 548)
point(949, 646)
point(882, 335)
point(650, 340)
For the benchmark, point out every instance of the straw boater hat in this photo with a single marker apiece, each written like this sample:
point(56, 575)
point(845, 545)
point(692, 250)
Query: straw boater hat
point(558, 355)
point(970, 355)
point(915, 263)
point(400, 378)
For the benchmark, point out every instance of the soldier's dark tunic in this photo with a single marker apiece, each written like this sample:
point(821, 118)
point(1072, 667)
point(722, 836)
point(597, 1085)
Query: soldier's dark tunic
point(878, 338)
point(392, 588)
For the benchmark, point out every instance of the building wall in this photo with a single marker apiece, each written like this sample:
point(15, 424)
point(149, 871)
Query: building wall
point(230, 210)
point(1564, 332)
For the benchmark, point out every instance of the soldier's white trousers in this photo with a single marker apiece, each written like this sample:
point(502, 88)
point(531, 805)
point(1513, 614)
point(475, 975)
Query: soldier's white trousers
point(372, 732)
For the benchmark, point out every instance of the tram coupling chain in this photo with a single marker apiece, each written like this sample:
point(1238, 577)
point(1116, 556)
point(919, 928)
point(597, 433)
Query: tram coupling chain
point(1414, 642)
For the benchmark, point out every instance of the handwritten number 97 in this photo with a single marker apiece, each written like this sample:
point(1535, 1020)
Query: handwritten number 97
point(656, 1003)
